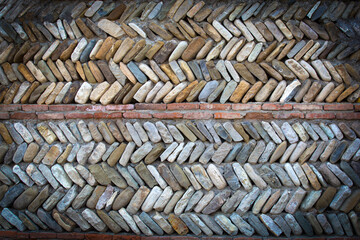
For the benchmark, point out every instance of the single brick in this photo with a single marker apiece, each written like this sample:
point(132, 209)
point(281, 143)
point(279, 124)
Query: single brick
point(228, 115)
point(90, 108)
point(248, 106)
point(197, 115)
point(320, 115)
point(348, 115)
point(34, 107)
point(108, 115)
point(276, 107)
point(62, 108)
point(23, 115)
point(81, 115)
point(307, 107)
point(168, 115)
point(287, 115)
point(10, 107)
point(150, 106)
point(338, 107)
point(119, 107)
point(4, 115)
point(215, 106)
point(182, 106)
point(257, 115)
point(136, 115)
point(50, 116)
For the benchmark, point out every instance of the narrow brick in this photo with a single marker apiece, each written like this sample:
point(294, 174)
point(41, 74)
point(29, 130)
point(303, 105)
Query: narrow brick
point(276, 107)
point(182, 106)
point(120, 107)
point(348, 115)
point(22, 115)
point(307, 107)
point(287, 115)
point(150, 106)
point(34, 108)
point(168, 115)
point(90, 108)
point(248, 106)
point(320, 115)
point(62, 108)
point(80, 115)
point(112, 115)
point(339, 107)
point(215, 106)
point(228, 115)
point(10, 107)
point(257, 115)
point(4, 115)
point(136, 115)
point(50, 116)
point(197, 115)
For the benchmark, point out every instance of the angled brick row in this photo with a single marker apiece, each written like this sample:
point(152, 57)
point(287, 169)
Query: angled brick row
point(109, 18)
point(197, 91)
point(197, 176)
point(127, 219)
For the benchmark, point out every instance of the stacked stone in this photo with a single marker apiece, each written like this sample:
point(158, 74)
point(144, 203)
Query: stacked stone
point(182, 51)
point(202, 177)
point(161, 177)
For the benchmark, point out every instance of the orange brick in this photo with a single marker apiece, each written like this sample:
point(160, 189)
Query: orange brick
point(338, 107)
point(80, 115)
point(307, 107)
point(320, 115)
point(119, 107)
point(228, 115)
point(34, 107)
point(107, 115)
point(247, 106)
point(348, 115)
point(50, 116)
point(182, 106)
point(4, 115)
point(90, 108)
point(197, 115)
point(276, 107)
point(258, 115)
point(23, 115)
point(215, 106)
point(287, 115)
point(168, 115)
point(62, 108)
point(136, 115)
point(10, 107)
point(150, 106)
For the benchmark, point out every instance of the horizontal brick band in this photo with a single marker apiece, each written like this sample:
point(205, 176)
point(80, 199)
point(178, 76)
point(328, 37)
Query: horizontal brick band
point(183, 110)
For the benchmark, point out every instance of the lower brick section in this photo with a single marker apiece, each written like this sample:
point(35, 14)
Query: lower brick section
point(94, 236)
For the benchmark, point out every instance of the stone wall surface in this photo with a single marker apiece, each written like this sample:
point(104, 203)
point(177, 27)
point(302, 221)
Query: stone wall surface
point(205, 119)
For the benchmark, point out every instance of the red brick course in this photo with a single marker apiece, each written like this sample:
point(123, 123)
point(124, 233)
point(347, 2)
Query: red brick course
point(183, 110)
